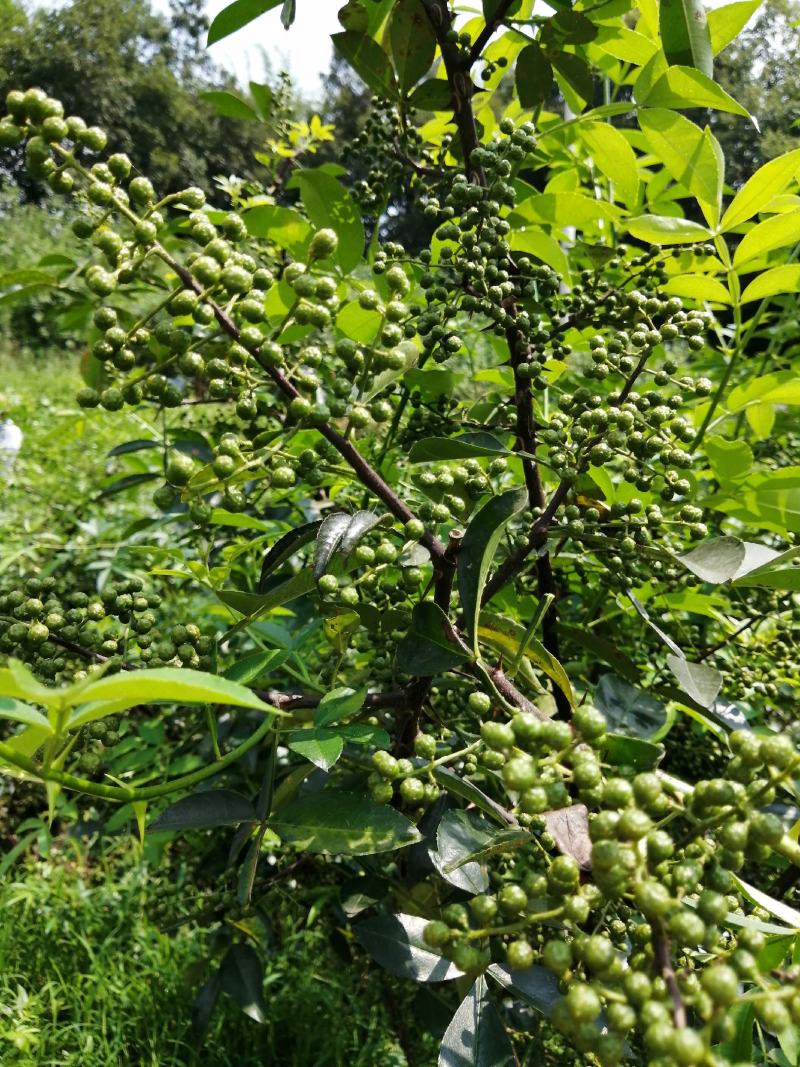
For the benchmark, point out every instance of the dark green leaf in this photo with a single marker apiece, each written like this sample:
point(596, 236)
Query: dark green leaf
point(202, 811)
point(342, 824)
point(478, 548)
point(465, 446)
point(331, 531)
point(395, 942)
point(285, 547)
point(204, 1004)
point(288, 12)
point(282, 225)
point(412, 41)
point(573, 27)
point(339, 704)
point(700, 681)
point(236, 15)
point(740, 1047)
point(133, 446)
point(322, 747)
point(605, 650)
point(431, 646)
point(251, 604)
point(535, 986)
point(130, 481)
point(249, 668)
point(368, 60)
point(361, 733)
point(629, 710)
point(476, 1036)
point(534, 77)
point(460, 834)
point(623, 751)
point(685, 36)
point(359, 526)
point(242, 978)
point(432, 95)
point(576, 72)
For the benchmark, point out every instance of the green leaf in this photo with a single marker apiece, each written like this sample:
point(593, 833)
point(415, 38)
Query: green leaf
point(767, 182)
point(250, 668)
point(715, 561)
point(368, 60)
point(339, 704)
point(282, 225)
point(395, 942)
point(740, 1047)
point(629, 710)
point(236, 15)
point(692, 156)
point(465, 446)
point(251, 604)
point(361, 733)
point(772, 233)
point(329, 205)
point(229, 105)
point(467, 790)
point(699, 287)
point(534, 77)
point(781, 910)
point(342, 824)
point(322, 747)
point(476, 1036)
point(536, 986)
point(285, 547)
point(359, 526)
point(666, 230)
point(412, 42)
point(161, 685)
point(432, 95)
point(534, 241)
point(576, 73)
point(773, 282)
point(685, 36)
point(729, 459)
point(203, 811)
point(614, 157)
point(700, 681)
point(477, 551)
point(16, 711)
point(331, 531)
point(242, 978)
point(431, 646)
point(684, 87)
point(17, 681)
point(460, 834)
point(726, 23)
point(621, 751)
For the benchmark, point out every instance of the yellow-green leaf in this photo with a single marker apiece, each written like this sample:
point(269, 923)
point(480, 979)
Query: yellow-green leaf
point(775, 232)
point(614, 157)
point(773, 282)
point(684, 87)
point(757, 192)
point(700, 287)
point(691, 155)
point(667, 230)
point(726, 23)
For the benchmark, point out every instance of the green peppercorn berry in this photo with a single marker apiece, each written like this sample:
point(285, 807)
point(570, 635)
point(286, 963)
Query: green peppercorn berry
point(436, 934)
point(300, 408)
point(328, 584)
point(481, 703)
point(179, 469)
point(323, 244)
point(512, 899)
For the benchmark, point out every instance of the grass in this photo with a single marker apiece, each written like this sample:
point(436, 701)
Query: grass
point(88, 978)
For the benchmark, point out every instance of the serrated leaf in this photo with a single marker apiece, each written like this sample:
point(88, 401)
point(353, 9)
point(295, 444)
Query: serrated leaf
point(691, 155)
point(16, 711)
point(338, 704)
point(685, 87)
point(614, 157)
point(412, 42)
point(726, 23)
point(534, 77)
point(685, 35)
point(629, 710)
point(773, 282)
point(767, 182)
point(478, 547)
point(465, 446)
point(460, 834)
point(700, 681)
point(368, 60)
point(766, 236)
point(430, 647)
point(285, 547)
point(249, 668)
point(161, 685)
point(322, 747)
point(667, 230)
point(242, 978)
point(396, 943)
point(203, 811)
point(236, 15)
point(476, 1036)
point(342, 824)
point(331, 531)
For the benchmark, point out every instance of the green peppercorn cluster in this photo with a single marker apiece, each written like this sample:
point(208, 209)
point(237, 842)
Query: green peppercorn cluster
point(662, 875)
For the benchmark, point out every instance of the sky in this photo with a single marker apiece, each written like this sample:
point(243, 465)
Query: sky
point(304, 50)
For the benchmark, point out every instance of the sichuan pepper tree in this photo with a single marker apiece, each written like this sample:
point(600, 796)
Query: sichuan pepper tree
point(523, 502)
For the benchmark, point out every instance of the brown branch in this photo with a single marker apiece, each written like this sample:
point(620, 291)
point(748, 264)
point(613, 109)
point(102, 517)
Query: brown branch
point(367, 475)
point(457, 66)
point(488, 31)
point(662, 952)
